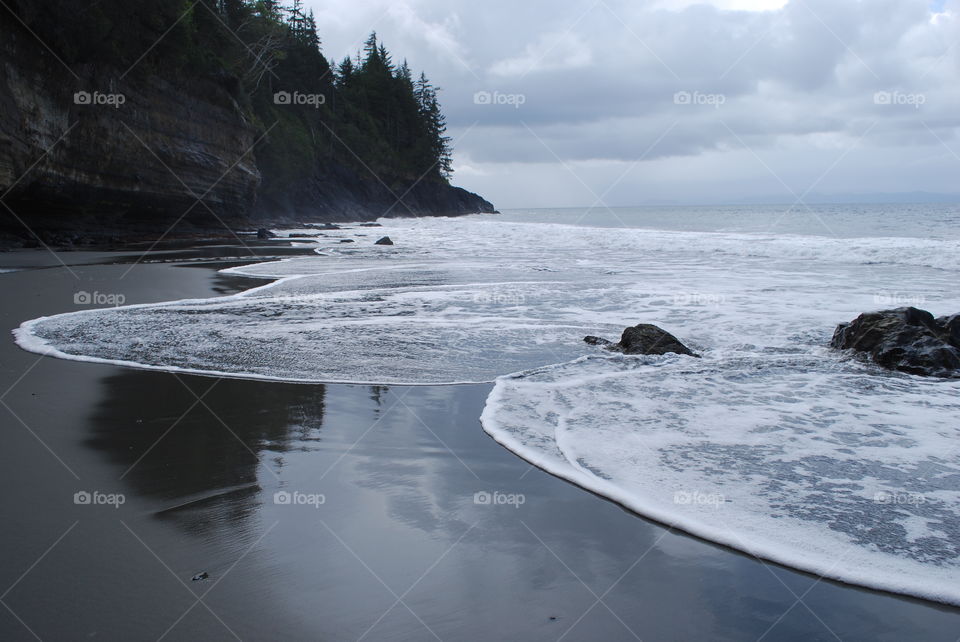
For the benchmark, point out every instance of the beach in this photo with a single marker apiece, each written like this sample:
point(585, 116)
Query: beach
point(336, 511)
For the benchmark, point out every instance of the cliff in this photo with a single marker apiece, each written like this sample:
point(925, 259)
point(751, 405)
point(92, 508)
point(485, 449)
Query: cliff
point(90, 151)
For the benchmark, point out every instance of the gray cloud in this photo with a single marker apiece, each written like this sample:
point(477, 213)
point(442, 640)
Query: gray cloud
point(591, 86)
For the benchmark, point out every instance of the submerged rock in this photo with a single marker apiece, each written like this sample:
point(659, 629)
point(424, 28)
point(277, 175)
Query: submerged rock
point(644, 338)
point(384, 241)
point(264, 233)
point(905, 339)
point(201, 576)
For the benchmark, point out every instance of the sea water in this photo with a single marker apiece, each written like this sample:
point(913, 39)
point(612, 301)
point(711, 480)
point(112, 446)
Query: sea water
point(771, 443)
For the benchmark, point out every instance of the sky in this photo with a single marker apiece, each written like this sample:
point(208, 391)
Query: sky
point(569, 103)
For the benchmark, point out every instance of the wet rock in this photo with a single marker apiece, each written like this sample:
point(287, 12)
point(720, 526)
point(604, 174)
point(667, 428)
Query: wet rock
point(201, 576)
point(384, 241)
point(346, 240)
point(905, 339)
point(264, 233)
point(644, 338)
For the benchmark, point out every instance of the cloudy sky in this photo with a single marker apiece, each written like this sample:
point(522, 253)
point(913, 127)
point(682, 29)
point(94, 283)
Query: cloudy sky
point(622, 102)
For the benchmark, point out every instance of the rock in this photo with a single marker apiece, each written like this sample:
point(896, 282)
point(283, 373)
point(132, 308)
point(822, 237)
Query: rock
point(644, 338)
point(384, 241)
point(201, 576)
point(905, 339)
point(346, 240)
point(371, 225)
point(264, 233)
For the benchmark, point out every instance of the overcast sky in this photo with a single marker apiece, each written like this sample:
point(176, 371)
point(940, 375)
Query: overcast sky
point(571, 103)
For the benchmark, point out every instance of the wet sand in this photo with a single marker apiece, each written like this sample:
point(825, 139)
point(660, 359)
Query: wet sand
point(335, 512)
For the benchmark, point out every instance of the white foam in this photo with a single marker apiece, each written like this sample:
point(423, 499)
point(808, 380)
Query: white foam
point(799, 440)
point(821, 465)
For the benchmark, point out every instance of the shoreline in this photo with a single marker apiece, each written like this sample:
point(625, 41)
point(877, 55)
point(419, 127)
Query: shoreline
point(406, 462)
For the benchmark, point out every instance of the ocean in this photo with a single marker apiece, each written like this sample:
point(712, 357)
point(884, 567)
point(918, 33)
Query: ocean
point(771, 443)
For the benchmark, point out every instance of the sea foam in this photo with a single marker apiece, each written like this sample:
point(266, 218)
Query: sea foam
point(771, 443)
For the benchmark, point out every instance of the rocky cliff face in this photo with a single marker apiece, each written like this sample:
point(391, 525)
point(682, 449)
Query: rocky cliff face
point(341, 193)
point(93, 151)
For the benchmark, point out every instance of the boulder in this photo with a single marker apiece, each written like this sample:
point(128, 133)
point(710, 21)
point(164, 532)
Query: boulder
point(905, 339)
point(384, 241)
point(264, 233)
point(644, 338)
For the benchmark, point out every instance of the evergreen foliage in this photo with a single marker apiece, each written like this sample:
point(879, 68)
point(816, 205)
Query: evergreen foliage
point(371, 112)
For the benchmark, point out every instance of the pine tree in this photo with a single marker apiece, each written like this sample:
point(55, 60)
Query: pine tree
point(345, 72)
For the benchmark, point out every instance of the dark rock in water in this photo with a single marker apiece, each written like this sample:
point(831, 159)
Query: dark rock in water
point(371, 225)
point(643, 339)
point(346, 240)
point(301, 235)
point(384, 241)
point(264, 233)
point(905, 339)
point(646, 338)
point(201, 576)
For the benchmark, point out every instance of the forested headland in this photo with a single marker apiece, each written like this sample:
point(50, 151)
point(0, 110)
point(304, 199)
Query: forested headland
point(226, 108)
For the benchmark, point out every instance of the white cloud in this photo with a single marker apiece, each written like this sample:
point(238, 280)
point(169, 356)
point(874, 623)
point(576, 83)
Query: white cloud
point(724, 5)
point(550, 52)
point(599, 79)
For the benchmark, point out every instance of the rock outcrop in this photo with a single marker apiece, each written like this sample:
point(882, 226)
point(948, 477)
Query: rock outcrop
point(644, 338)
point(92, 150)
point(905, 339)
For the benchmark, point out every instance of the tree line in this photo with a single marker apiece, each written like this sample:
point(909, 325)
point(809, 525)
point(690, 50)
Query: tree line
point(366, 111)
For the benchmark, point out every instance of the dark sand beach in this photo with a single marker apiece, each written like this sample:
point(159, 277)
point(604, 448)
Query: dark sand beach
point(386, 535)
